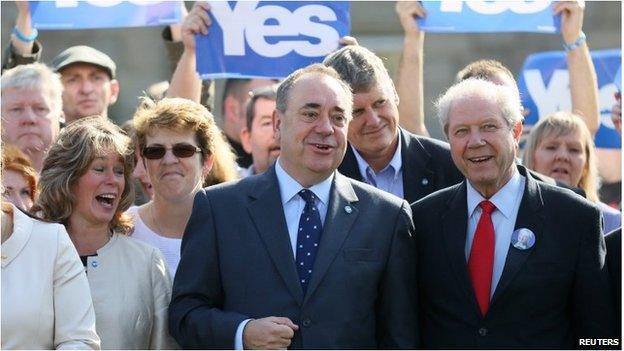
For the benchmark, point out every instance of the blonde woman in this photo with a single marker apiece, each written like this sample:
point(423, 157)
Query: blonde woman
point(85, 185)
point(182, 149)
point(561, 146)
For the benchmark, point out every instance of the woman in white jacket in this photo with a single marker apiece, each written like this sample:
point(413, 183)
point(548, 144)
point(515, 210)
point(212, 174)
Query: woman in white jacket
point(85, 185)
point(46, 302)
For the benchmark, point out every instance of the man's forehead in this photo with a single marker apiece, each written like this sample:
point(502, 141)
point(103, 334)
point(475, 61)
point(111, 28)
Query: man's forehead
point(23, 93)
point(320, 83)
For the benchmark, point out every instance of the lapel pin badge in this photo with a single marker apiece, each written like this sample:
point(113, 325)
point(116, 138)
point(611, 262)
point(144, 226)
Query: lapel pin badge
point(523, 239)
point(424, 181)
point(348, 209)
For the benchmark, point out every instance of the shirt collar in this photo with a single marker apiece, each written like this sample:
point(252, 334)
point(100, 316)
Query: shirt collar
point(396, 163)
point(504, 199)
point(289, 187)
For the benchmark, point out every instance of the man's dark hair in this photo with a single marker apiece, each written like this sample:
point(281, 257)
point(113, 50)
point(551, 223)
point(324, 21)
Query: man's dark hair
point(235, 87)
point(484, 69)
point(268, 93)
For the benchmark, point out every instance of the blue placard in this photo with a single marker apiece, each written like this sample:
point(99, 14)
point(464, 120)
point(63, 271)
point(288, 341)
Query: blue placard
point(73, 14)
point(270, 39)
point(544, 88)
point(474, 16)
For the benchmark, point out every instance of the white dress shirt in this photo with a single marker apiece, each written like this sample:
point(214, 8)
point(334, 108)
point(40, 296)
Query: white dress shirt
point(507, 202)
point(389, 179)
point(293, 206)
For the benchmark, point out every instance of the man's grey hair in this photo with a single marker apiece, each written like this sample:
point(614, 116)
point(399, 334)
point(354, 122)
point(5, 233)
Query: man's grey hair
point(38, 77)
point(505, 98)
point(283, 91)
point(359, 67)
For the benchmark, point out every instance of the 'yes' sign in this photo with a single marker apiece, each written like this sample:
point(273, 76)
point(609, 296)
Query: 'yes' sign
point(489, 16)
point(270, 39)
point(74, 14)
point(544, 87)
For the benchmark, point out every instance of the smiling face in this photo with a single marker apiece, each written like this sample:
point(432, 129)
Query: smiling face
point(374, 128)
point(312, 131)
point(88, 90)
point(483, 145)
point(29, 119)
point(175, 179)
point(562, 157)
point(98, 191)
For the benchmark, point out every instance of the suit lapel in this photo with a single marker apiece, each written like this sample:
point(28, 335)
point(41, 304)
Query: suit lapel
point(336, 229)
point(417, 177)
point(530, 217)
point(454, 224)
point(267, 213)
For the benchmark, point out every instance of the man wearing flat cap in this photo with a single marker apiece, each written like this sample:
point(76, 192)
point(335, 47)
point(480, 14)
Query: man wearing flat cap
point(87, 74)
point(88, 77)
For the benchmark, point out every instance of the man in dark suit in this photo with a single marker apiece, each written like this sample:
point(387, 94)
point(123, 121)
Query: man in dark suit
point(505, 261)
point(300, 255)
point(381, 153)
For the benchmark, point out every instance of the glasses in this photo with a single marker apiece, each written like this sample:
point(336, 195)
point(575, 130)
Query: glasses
point(181, 150)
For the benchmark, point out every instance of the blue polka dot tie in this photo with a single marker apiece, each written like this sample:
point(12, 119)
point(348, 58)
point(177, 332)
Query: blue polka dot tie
point(308, 237)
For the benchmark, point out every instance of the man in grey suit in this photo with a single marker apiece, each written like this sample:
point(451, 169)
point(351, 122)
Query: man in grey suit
point(381, 153)
point(299, 256)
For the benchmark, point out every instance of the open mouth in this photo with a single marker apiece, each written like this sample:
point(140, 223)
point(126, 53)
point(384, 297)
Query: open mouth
point(322, 146)
point(559, 170)
point(480, 159)
point(106, 200)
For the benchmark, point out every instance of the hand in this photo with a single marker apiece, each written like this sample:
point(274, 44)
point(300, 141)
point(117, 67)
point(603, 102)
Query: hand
point(348, 40)
point(197, 21)
point(269, 333)
point(408, 11)
point(571, 19)
point(616, 112)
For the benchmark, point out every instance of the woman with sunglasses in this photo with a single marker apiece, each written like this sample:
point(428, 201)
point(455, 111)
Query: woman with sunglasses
point(86, 185)
point(180, 144)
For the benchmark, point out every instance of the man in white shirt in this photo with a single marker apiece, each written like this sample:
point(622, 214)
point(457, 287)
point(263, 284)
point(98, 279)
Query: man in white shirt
point(299, 256)
point(501, 252)
point(381, 153)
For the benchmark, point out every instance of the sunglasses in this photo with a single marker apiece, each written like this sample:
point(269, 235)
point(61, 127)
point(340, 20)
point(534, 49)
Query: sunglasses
point(181, 150)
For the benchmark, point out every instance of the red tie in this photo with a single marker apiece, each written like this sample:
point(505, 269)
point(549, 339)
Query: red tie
point(480, 263)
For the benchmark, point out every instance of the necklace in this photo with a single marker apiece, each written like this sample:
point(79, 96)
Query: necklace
point(160, 231)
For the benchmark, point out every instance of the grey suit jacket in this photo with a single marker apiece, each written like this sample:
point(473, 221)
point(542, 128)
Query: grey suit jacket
point(237, 263)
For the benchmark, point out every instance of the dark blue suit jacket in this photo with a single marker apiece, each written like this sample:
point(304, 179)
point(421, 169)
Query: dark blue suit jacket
point(237, 263)
point(548, 296)
point(427, 166)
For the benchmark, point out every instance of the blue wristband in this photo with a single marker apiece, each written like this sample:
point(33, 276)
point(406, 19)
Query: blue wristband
point(26, 39)
point(578, 42)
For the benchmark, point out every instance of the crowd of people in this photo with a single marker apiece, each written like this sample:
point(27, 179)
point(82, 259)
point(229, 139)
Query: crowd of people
point(318, 215)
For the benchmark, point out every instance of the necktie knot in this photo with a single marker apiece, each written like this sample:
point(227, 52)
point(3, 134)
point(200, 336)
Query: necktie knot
point(307, 196)
point(487, 206)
